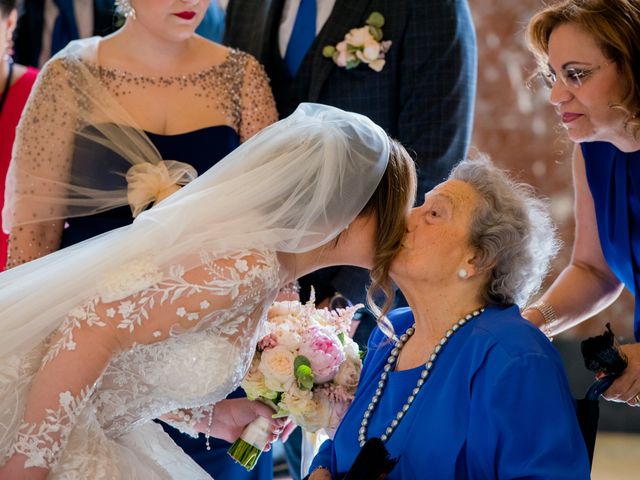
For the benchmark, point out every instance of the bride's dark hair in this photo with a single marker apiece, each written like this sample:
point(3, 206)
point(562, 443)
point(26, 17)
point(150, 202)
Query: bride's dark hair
point(7, 6)
point(389, 204)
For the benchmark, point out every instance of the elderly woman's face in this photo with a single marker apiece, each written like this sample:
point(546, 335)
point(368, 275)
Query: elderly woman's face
point(436, 245)
point(586, 84)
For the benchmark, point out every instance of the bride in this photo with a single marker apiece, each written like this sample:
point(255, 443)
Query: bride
point(161, 317)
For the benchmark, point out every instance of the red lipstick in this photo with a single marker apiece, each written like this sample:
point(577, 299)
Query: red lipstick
point(186, 15)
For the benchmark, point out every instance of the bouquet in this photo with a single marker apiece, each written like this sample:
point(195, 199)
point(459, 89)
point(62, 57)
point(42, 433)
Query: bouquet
point(306, 367)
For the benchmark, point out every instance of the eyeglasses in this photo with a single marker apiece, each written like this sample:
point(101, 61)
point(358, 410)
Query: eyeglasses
point(571, 77)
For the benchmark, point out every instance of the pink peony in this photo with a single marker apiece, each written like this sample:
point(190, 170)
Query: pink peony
point(324, 351)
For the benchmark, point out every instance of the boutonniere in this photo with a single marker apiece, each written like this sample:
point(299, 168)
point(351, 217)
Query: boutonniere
point(361, 45)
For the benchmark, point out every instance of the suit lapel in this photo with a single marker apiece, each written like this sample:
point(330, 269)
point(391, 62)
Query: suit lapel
point(265, 13)
point(346, 14)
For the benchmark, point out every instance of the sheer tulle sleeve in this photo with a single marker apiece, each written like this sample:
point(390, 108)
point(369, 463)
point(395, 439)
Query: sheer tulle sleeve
point(257, 105)
point(40, 163)
point(218, 294)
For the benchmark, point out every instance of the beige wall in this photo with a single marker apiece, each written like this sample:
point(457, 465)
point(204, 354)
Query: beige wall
point(520, 130)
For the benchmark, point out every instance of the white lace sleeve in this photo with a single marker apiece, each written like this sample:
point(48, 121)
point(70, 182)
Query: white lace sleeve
point(191, 420)
point(165, 304)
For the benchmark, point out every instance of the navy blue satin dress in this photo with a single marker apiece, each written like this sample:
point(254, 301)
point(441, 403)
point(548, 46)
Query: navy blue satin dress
point(614, 180)
point(202, 149)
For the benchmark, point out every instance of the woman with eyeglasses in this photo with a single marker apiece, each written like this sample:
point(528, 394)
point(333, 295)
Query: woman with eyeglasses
point(589, 54)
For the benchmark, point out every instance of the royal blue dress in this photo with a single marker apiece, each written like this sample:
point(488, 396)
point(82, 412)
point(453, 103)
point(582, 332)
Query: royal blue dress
point(496, 405)
point(614, 180)
point(201, 149)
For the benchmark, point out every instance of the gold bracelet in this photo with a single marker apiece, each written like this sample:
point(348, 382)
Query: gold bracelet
point(548, 314)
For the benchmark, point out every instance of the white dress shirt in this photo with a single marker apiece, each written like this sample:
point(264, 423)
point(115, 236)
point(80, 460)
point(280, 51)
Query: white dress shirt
point(83, 10)
point(289, 12)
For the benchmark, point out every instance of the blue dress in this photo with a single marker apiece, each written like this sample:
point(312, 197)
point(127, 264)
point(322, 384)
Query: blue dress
point(497, 405)
point(614, 180)
point(202, 149)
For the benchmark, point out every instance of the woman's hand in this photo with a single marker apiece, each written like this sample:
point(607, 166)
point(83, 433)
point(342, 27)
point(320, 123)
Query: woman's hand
point(626, 388)
point(231, 416)
point(320, 474)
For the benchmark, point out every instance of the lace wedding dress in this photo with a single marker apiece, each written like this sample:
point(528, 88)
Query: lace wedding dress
point(106, 430)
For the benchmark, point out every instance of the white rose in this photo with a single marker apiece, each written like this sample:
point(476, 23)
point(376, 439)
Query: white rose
point(254, 384)
point(351, 349)
point(307, 410)
point(276, 365)
point(287, 335)
point(349, 373)
point(371, 51)
point(297, 402)
point(358, 36)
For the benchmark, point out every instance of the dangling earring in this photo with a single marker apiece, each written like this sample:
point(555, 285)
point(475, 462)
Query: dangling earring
point(8, 53)
point(462, 274)
point(124, 7)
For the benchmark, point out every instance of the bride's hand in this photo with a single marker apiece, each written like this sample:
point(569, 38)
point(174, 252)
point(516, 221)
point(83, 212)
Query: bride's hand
point(231, 416)
point(14, 470)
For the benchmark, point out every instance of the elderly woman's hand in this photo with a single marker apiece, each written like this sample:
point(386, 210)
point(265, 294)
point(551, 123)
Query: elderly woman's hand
point(320, 474)
point(627, 387)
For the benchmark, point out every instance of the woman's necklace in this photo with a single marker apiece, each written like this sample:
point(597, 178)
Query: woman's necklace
point(391, 361)
point(7, 84)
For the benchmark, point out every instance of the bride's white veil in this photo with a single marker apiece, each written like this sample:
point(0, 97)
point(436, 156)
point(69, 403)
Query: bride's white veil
point(290, 188)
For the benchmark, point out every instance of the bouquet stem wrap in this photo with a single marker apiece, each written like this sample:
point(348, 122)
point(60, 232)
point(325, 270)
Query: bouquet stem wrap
point(246, 450)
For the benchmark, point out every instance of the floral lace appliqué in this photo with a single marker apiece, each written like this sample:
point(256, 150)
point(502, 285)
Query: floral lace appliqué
point(42, 443)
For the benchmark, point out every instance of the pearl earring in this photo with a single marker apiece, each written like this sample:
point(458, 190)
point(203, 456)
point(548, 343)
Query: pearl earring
point(124, 7)
point(462, 274)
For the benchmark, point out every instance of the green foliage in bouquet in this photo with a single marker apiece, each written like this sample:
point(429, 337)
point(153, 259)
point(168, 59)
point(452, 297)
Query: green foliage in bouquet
point(303, 373)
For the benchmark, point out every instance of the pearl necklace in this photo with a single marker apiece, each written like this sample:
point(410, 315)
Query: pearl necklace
point(391, 361)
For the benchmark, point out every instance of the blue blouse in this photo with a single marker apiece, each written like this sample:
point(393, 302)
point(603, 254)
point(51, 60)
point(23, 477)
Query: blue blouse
point(614, 180)
point(497, 405)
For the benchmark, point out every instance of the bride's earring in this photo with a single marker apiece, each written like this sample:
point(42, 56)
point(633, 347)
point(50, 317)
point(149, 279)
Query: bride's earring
point(462, 274)
point(124, 7)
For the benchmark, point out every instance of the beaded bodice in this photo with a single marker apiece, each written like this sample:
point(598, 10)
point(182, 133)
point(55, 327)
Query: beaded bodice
point(74, 93)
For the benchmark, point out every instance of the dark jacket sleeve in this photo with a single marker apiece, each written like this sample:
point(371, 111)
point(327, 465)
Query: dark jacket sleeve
point(438, 70)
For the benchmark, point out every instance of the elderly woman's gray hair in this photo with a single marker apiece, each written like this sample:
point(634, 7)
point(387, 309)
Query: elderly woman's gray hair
point(511, 230)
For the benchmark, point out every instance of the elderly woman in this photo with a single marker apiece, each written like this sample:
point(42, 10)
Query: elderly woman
point(593, 48)
point(470, 389)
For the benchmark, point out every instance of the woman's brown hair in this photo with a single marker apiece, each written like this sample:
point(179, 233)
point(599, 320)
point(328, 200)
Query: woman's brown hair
point(389, 204)
point(614, 25)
